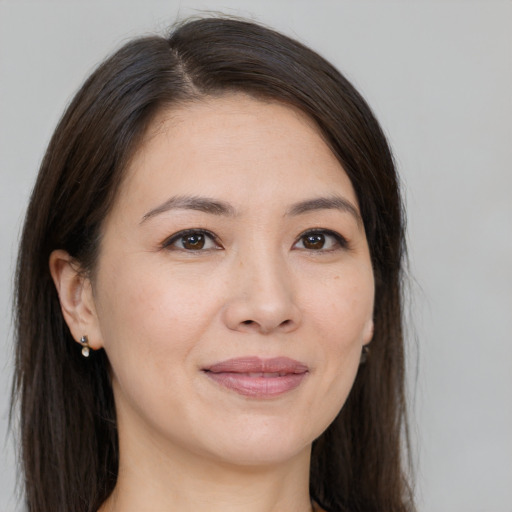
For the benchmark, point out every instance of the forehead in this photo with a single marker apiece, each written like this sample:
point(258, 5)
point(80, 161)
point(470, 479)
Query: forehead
point(229, 104)
point(231, 143)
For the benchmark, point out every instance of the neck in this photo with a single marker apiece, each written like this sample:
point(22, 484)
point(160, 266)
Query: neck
point(151, 478)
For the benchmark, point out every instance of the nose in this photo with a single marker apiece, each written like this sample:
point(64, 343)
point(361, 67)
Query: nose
point(262, 297)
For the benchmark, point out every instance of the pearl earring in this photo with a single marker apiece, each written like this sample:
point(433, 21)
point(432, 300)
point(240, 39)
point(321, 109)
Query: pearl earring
point(85, 346)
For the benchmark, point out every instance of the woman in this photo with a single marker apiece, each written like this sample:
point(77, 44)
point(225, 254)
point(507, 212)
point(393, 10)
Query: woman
point(214, 241)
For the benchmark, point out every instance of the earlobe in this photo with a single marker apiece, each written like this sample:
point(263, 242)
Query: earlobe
point(76, 298)
point(368, 332)
point(367, 338)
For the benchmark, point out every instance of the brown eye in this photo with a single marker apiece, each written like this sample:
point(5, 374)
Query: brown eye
point(322, 240)
point(193, 242)
point(314, 241)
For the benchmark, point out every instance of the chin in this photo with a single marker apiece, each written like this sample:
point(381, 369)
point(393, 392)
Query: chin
point(265, 444)
point(264, 454)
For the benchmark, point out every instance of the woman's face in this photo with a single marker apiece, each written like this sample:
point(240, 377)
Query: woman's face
point(234, 289)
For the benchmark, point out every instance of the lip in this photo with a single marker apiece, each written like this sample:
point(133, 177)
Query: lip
point(256, 377)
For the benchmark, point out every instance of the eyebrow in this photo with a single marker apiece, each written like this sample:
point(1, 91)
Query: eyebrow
point(200, 204)
point(215, 207)
point(325, 203)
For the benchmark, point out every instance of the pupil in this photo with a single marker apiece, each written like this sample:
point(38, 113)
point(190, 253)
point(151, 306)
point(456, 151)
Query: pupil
point(314, 241)
point(193, 241)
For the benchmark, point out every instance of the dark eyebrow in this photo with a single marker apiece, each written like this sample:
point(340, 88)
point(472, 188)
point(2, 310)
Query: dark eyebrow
point(201, 204)
point(326, 203)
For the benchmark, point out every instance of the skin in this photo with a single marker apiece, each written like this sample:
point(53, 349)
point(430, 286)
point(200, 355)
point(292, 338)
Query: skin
point(163, 311)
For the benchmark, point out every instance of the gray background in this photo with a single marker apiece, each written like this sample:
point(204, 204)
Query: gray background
point(439, 77)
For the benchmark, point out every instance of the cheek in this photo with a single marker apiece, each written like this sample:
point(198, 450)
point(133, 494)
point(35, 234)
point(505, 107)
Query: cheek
point(343, 307)
point(342, 314)
point(150, 313)
point(150, 324)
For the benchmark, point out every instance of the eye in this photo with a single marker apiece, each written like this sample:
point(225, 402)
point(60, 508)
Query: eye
point(320, 240)
point(192, 240)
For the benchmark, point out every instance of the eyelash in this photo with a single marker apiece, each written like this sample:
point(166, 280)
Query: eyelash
point(190, 232)
point(340, 241)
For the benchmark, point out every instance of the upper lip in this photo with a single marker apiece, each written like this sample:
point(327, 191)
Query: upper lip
point(253, 364)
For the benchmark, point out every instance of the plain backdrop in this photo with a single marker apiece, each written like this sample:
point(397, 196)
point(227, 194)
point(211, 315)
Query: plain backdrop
point(438, 74)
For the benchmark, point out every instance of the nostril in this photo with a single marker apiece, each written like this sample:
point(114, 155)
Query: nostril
point(266, 323)
point(284, 323)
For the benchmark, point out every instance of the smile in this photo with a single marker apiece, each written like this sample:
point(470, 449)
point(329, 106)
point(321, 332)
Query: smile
point(258, 378)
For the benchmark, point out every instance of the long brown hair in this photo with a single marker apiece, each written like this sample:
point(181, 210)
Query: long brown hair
point(69, 449)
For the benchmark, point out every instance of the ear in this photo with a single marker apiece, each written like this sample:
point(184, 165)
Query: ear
point(368, 332)
point(76, 298)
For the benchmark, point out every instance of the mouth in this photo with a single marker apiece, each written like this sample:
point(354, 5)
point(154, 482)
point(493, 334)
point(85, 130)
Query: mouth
point(258, 378)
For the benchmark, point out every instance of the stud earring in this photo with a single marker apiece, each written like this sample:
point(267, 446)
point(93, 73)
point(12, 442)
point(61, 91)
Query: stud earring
point(365, 354)
point(85, 346)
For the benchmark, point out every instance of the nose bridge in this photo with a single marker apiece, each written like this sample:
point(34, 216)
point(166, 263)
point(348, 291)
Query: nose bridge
point(266, 277)
point(262, 296)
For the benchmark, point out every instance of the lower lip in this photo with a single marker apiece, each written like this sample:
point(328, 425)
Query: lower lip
point(258, 387)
